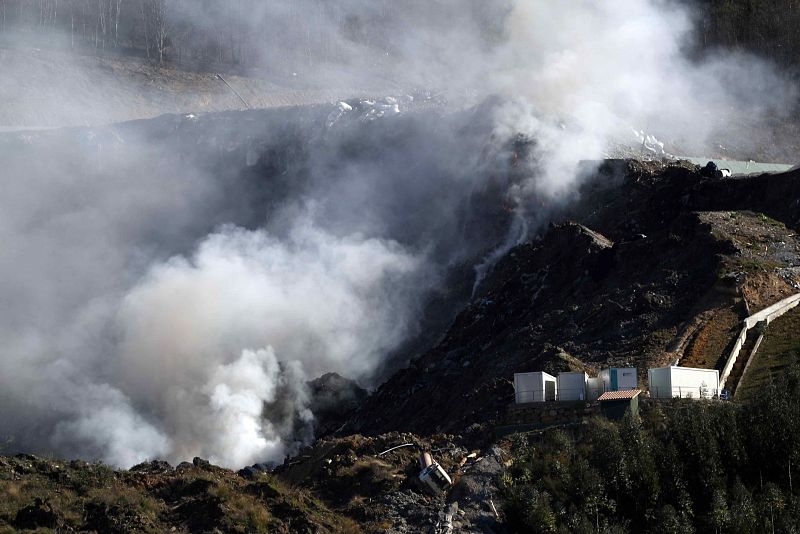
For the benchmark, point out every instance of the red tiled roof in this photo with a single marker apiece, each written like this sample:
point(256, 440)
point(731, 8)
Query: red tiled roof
point(619, 395)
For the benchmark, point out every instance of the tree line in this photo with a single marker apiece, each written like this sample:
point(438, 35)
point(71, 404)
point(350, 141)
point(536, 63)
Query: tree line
point(178, 31)
point(241, 32)
point(682, 468)
point(767, 28)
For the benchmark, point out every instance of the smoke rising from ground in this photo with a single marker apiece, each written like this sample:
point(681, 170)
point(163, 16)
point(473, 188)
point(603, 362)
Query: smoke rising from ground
point(168, 290)
point(249, 316)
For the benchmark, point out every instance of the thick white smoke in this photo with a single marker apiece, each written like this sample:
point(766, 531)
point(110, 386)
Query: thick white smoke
point(581, 75)
point(207, 342)
point(138, 324)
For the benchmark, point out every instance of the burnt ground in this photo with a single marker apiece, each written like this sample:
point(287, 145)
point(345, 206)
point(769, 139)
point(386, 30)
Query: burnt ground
point(658, 269)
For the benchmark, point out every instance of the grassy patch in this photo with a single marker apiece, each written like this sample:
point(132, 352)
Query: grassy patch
point(752, 265)
point(770, 221)
point(779, 350)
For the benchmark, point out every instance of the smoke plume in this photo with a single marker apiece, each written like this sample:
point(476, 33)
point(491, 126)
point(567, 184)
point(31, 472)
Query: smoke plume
point(169, 287)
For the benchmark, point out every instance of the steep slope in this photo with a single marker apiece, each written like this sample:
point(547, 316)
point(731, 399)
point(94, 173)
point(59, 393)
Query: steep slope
point(634, 279)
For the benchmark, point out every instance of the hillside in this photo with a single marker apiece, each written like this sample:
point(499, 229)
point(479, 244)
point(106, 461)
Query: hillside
point(655, 270)
point(46, 495)
point(778, 353)
point(50, 88)
point(651, 262)
point(379, 267)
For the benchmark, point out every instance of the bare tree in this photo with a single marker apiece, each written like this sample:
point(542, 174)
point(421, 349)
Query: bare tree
point(118, 10)
point(102, 20)
point(160, 26)
point(143, 14)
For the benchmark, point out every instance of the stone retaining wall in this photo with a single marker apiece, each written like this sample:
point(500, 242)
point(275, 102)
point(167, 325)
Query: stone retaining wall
point(549, 413)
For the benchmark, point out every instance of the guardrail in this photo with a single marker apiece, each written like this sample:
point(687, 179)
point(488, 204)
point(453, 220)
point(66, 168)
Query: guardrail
point(688, 392)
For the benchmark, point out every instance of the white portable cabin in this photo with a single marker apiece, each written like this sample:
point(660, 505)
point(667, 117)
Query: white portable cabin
point(572, 386)
point(619, 379)
point(594, 388)
point(683, 382)
point(534, 387)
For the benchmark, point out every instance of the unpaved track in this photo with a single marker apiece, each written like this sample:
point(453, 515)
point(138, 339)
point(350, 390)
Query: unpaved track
point(45, 89)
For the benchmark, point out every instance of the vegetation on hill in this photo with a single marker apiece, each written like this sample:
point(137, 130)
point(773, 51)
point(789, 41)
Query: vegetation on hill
point(46, 495)
point(227, 34)
point(682, 467)
point(765, 28)
point(779, 350)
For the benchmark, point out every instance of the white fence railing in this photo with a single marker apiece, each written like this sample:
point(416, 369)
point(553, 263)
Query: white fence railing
point(688, 392)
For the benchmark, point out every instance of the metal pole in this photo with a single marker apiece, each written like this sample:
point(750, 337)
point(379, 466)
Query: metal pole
point(246, 105)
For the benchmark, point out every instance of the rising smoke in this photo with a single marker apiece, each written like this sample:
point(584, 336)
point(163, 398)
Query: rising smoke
point(167, 294)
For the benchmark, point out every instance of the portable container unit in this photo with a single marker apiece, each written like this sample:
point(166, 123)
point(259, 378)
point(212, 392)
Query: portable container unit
point(619, 379)
point(534, 387)
point(683, 382)
point(572, 386)
point(594, 388)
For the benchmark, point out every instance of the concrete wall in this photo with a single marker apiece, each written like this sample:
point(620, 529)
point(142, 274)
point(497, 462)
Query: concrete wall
point(768, 315)
point(546, 414)
point(737, 348)
point(774, 311)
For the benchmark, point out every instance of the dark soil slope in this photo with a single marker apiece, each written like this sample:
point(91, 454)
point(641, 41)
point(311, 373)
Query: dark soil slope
point(633, 279)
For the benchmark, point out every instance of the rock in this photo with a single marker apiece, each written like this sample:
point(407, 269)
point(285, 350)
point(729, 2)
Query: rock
point(200, 463)
point(248, 472)
point(155, 466)
point(113, 518)
point(476, 491)
point(253, 470)
point(40, 514)
point(333, 400)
